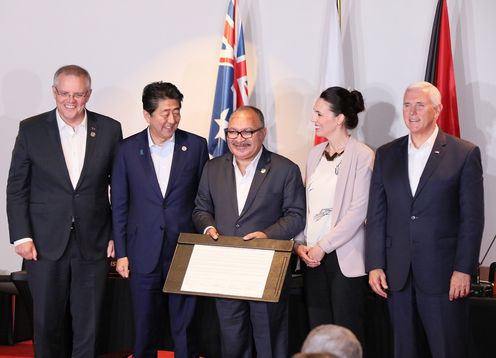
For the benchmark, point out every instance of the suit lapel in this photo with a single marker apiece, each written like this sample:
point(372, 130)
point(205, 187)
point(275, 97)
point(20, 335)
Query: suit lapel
point(54, 138)
point(145, 158)
point(230, 182)
point(344, 169)
point(178, 159)
point(437, 154)
point(263, 169)
point(91, 141)
point(403, 160)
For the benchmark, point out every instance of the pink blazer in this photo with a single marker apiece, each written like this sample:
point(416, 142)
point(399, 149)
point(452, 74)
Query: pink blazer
point(347, 233)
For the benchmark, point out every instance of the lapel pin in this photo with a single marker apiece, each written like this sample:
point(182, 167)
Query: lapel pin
point(141, 152)
point(263, 170)
point(436, 151)
point(93, 132)
point(184, 148)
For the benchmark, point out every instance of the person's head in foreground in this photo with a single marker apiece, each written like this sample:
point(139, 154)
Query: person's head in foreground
point(332, 339)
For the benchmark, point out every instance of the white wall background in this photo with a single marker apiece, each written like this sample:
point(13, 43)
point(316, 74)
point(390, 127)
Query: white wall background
point(126, 44)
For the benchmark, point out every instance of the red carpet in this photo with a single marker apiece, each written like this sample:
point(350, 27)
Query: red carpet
point(21, 349)
point(25, 350)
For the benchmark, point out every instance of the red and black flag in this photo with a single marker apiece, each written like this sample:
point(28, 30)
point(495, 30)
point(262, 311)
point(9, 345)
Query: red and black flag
point(440, 71)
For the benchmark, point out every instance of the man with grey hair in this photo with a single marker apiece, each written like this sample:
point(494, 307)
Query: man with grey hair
point(424, 228)
point(59, 213)
point(332, 339)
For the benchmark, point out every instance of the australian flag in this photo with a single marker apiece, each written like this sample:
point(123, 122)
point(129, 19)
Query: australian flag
point(231, 90)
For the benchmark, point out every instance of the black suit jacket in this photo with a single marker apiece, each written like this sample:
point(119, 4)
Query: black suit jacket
point(275, 202)
point(437, 230)
point(41, 201)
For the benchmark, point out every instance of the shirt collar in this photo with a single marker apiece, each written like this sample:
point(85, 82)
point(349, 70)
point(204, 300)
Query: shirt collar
point(150, 140)
point(429, 143)
point(253, 164)
point(62, 124)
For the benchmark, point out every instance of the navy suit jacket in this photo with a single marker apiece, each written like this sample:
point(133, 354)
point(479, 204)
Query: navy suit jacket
point(143, 219)
point(41, 201)
point(275, 202)
point(437, 230)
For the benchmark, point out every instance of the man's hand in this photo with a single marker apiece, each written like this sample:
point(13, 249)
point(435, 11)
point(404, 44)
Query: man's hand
point(302, 252)
point(378, 283)
point(212, 232)
point(110, 249)
point(27, 251)
point(256, 234)
point(459, 285)
point(122, 267)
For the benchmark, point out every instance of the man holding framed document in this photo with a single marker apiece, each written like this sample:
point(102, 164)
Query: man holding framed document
point(252, 193)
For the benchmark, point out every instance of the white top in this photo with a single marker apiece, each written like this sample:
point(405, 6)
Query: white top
point(320, 198)
point(162, 160)
point(417, 159)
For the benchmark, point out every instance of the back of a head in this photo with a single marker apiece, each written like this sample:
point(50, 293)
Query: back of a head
point(314, 355)
point(337, 340)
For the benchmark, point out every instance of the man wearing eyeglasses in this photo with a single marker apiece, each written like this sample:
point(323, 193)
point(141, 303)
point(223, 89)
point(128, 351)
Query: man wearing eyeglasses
point(59, 213)
point(253, 193)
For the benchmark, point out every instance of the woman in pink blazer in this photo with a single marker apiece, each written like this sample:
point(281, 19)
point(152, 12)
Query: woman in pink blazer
point(331, 248)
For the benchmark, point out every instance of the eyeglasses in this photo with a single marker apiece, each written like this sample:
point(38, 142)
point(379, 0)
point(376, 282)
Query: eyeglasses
point(65, 95)
point(245, 133)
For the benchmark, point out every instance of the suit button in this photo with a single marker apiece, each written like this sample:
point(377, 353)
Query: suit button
point(237, 226)
point(162, 228)
point(413, 217)
point(76, 196)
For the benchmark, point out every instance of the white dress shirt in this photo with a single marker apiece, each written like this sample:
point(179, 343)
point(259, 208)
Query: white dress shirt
point(243, 182)
point(74, 146)
point(162, 160)
point(417, 159)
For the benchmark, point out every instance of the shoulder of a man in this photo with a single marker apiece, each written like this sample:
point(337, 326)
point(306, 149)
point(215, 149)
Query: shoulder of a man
point(279, 161)
point(36, 119)
point(460, 144)
point(103, 119)
point(189, 136)
point(392, 147)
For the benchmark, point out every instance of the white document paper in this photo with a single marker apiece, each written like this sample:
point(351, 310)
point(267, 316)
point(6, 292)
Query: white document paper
point(228, 271)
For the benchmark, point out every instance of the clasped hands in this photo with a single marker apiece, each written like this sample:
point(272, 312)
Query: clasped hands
point(311, 255)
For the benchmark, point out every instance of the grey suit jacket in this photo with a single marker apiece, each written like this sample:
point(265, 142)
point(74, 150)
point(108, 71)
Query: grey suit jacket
point(275, 202)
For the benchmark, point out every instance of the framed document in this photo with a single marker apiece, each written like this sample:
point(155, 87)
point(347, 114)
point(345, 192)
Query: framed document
point(229, 267)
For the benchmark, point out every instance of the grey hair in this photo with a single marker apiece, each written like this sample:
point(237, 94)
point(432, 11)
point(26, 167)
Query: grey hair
point(73, 70)
point(255, 110)
point(433, 91)
point(333, 339)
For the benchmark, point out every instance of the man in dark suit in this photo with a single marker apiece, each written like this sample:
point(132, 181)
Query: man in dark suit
point(59, 213)
point(424, 228)
point(251, 193)
point(154, 183)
